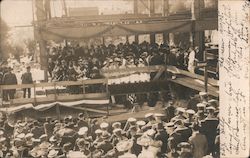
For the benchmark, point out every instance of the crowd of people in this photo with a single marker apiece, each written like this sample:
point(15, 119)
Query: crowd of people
point(77, 62)
point(177, 132)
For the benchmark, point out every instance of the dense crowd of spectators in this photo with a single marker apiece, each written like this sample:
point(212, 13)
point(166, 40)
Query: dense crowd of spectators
point(76, 62)
point(176, 132)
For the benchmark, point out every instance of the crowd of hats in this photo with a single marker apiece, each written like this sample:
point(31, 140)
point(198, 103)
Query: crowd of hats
point(77, 62)
point(156, 135)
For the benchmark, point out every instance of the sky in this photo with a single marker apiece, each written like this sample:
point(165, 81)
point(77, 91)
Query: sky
point(19, 12)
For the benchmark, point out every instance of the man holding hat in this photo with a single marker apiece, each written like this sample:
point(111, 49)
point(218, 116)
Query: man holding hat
point(27, 79)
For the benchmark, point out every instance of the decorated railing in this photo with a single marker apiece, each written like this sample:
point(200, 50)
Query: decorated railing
point(99, 88)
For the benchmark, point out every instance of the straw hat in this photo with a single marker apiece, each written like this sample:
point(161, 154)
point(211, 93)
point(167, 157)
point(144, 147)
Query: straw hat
point(141, 123)
point(76, 154)
point(190, 111)
point(149, 115)
point(98, 131)
point(150, 132)
point(202, 93)
point(124, 145)
point(117, 130)
point(104, 125)
point(144, 141)
point(211, 108)
point(202, 105)
point(116, 124)
point(131, 119)
point(159, 115)
point(180, 109)
point(52, 153)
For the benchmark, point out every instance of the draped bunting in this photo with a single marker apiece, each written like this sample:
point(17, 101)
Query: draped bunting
point(77, 33)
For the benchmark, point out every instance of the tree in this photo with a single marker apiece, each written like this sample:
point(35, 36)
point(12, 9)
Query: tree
point(30, 45)
point(5, 47)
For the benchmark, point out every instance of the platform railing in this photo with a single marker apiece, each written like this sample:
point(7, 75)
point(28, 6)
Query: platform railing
point(59, 91)
point(98, 88)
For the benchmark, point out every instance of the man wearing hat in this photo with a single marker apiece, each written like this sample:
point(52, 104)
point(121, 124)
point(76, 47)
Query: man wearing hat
point(145, 142)
point(151, 121)
point(180, 114)
point(116, 125)
point(203, 97)
point(209, 128)
point(190, 118)
point(211, 114)
point(125, 147)
point(83, 147)
point(53, 154)
point(182, 130)
point(98, 137)
point(130, 122)
point(185, 150)
point(159, 117)
point(3, 148)
point(83, 135)
point(213, 102)
point(198, 142)
point(140, 124)
point(162, 136)
point(27, 79)
point(170, 111)
point(117, 136)
point(81, 122)
point(200, 115)
point(9, 78)
point(48, 127)
point(105, 145)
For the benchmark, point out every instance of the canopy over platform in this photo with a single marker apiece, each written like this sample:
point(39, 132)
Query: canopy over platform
point(60, 32)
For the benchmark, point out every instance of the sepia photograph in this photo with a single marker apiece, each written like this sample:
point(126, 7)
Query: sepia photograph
point(124, 79)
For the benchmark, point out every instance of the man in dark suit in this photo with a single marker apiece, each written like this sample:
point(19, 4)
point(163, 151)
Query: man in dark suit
point(9, 78)
point(199, 143)
point(27, 79)
point(162, 136)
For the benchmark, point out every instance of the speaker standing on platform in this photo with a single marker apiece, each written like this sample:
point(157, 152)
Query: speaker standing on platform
point(27, 79)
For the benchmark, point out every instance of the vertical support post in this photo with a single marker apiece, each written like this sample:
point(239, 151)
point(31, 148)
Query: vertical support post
point(137, 38)
point(152, 38)
point(34, 85)
point(205, 72)
point(151, 7)
point(135, 7)
point(127, 38)
point(165, 7)
point(1, 96)
point(55, 90)
point(65, 8)
point(83, 88)
point(108, 94)
point(165, 37)
point(198, 36)
point(58, 112)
